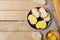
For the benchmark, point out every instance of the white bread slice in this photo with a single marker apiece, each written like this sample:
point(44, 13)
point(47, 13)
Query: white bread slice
point(47, 18)
point(43, 12)
point(35, 12)
point(36, 35)
point(41, 2)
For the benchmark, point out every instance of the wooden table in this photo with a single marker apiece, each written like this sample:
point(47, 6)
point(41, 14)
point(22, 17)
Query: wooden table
point(16, 10)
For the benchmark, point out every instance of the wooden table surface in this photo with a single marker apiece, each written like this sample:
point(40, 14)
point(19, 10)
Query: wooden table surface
point(16, 10)
point(57, 7)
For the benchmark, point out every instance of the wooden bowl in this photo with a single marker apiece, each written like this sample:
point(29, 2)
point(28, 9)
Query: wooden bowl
point(55, 32)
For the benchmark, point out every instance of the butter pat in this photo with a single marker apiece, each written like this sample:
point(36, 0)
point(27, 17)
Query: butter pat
point(41, 24)
point(32, 19)
point(52, 36)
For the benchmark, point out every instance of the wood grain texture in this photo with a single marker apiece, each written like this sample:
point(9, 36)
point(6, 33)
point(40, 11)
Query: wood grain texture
point(57, 8)
point(16, 36)
point(13, 15)
point(15, 27)
point(15, 0)
point(16, 10)
point(17, 5)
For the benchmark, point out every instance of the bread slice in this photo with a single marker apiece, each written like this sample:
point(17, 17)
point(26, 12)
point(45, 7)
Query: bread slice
point(35, 12)
point(36, 35)
point(32, 19)
point(43, 12)
point(41, 2)
point(47, 18)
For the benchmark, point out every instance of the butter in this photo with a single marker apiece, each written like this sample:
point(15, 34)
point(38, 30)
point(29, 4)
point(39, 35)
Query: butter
point(41, 24)
point(52, 36)
point(32, 19)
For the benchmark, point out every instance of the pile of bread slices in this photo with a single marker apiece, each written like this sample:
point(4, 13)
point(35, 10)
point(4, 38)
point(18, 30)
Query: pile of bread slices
point(39, 17)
